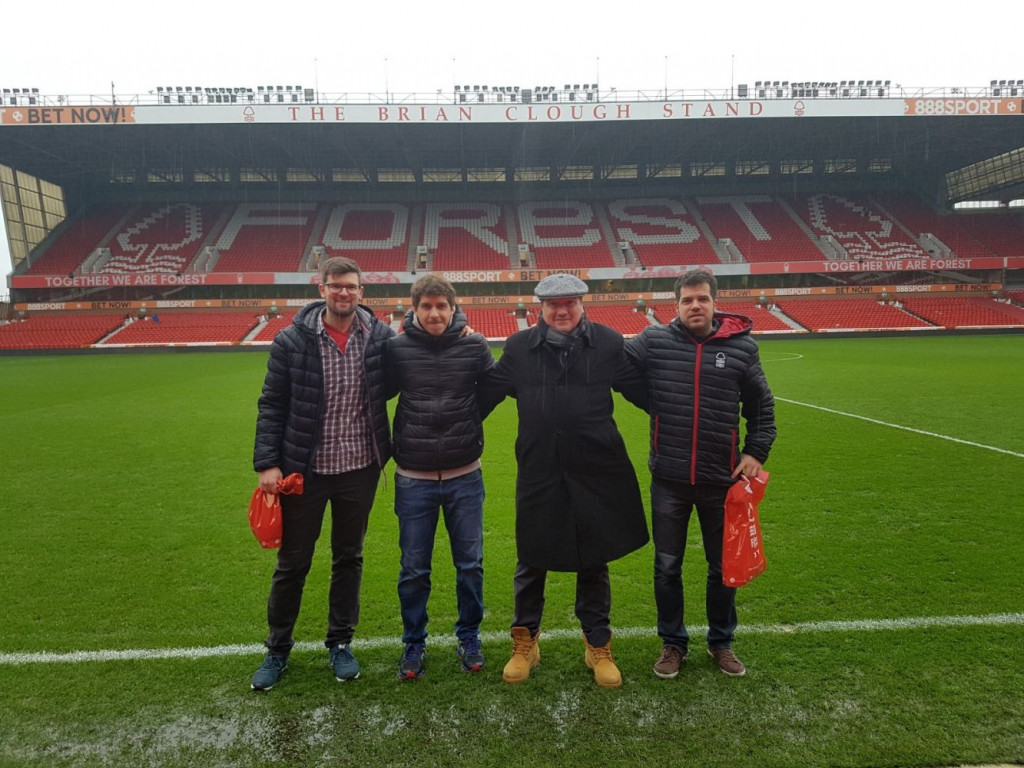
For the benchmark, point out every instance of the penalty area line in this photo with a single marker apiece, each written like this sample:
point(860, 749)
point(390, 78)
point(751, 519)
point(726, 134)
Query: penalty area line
point(250, 649)
point(904, 428)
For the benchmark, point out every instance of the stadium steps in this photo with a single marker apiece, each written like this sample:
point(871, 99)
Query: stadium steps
point(784, 318)
point(608, 234)
point(811, 234)
point(702, 224)
point(416, 239)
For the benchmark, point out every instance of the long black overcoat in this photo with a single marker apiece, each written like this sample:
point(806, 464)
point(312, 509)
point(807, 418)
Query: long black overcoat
point(577, 498)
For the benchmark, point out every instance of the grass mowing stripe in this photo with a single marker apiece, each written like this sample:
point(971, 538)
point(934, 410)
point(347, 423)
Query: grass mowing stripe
point(905, 428)
point(246, 649)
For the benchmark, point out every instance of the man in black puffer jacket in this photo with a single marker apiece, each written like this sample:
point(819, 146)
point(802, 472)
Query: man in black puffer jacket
point(323, 414)
point(438, 441)
point(703, 373)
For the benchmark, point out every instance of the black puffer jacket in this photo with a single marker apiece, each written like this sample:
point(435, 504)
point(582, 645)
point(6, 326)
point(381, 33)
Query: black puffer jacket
point(437, 421)
point(697, 392)
point(287, 426)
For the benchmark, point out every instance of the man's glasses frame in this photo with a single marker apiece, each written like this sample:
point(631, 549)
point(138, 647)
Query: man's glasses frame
point(342, 288)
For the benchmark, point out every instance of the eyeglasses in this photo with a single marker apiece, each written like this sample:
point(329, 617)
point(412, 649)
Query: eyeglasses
point(342, 288)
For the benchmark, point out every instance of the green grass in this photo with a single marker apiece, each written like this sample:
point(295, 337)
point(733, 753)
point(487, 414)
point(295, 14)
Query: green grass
point(125, 485)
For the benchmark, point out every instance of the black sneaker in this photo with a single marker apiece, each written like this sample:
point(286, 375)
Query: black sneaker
point(411, 665)
point(344, 663)
point(269, 672)
point(470, 654)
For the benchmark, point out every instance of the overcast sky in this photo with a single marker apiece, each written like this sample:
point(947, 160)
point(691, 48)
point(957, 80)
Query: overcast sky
point(405, 47)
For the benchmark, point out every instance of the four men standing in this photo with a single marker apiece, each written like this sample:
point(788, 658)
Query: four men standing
point(578, 506)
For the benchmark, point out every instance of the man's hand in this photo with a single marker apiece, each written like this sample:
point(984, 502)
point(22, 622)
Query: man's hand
point(269, 478)
point(748, 466)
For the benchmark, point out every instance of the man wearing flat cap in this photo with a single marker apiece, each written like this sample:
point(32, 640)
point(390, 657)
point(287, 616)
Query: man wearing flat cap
point(578, 502)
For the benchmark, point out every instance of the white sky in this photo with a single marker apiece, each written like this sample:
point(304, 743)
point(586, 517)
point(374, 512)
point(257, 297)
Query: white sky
point(404, 47)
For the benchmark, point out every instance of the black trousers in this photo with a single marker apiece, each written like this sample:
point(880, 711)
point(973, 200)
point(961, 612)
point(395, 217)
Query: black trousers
point(351, 496)
point(593, 601)
point(671, 507)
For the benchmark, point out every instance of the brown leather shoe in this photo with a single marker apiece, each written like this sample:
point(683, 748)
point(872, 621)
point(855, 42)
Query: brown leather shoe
point(668, 664)
point(727, 661)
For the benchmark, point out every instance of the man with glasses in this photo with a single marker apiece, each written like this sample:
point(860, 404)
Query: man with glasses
point(323, 413)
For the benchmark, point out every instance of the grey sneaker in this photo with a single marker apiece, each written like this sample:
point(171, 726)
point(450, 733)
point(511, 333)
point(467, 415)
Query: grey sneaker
point(269, 672)
point(470, 654)
point(727, 661)
point(668, 663)
point(412, 664)
point(344, 663)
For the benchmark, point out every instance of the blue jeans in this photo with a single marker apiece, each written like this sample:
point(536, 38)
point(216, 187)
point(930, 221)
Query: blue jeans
point(417, 504)
point(671, 506)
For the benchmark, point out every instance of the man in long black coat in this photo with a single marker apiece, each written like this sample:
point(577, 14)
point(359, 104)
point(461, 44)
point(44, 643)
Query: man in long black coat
point(578, 502)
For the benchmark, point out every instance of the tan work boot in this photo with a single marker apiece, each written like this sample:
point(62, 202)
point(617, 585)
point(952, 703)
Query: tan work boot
point(525, 656)
point(599, 659)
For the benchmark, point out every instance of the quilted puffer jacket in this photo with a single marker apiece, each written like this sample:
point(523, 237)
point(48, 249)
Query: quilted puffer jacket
point(698, 390)
point(287, 425)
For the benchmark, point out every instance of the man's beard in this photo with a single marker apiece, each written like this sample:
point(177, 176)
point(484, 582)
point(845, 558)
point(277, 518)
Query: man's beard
point(335, 312)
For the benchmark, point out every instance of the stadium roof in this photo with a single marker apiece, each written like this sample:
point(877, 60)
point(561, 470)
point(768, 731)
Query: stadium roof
point(96, 151)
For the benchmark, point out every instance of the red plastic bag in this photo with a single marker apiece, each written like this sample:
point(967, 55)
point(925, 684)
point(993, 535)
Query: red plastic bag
point(265, 511)
point(742, 547)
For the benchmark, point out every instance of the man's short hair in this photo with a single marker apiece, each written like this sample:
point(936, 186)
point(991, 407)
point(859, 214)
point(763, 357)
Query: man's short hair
point(432, 285)
point(339, 265)
point(697, 277)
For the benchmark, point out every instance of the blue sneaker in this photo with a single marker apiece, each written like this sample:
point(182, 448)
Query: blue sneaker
point(470, 654)
point(411, 665)
point(345, 665)
point(269, 672)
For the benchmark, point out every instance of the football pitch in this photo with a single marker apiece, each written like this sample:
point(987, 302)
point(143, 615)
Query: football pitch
point(886, 630)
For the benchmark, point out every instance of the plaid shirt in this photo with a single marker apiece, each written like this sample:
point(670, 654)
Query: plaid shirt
point(346, 439)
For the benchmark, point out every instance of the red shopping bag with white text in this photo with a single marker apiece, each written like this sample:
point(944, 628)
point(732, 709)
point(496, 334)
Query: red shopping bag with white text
point(265, 511)
point(742, 547)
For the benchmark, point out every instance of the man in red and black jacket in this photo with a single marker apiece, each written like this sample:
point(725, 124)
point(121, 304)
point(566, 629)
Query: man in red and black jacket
point(703, 373)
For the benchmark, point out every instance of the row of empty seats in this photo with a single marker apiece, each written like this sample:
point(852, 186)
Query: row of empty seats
point(660, 231)
point(68, 331)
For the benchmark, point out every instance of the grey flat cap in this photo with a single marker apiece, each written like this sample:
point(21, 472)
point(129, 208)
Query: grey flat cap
point(561, 286)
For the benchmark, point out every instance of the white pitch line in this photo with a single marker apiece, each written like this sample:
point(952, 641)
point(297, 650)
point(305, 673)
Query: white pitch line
point(904, 428)
point(863, 625)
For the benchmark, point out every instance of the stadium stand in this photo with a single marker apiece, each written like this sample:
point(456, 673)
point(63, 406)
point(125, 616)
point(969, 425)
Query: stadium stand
point(68, 331)
point(764, 320)
point(265, 238)
point(187, 327)
point(77, 241)
point(625, 320)
point(965, 312)
point(660, 231)
point(849, 314)
point(1001, 232)
point(564, 235)
point(272, 326)
point(859, 227)
point(376, 235)
point(761, 229)
point(922, 220)
point(466, 236)
point(492, 323)
point(160, 238)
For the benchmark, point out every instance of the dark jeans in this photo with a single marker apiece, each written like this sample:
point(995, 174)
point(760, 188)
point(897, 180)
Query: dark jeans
point(351, 496)
point(593, 601)
point(671, 506)
point(417, 505)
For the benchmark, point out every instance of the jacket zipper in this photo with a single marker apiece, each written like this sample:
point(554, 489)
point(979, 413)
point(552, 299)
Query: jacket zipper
point(696, 413)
